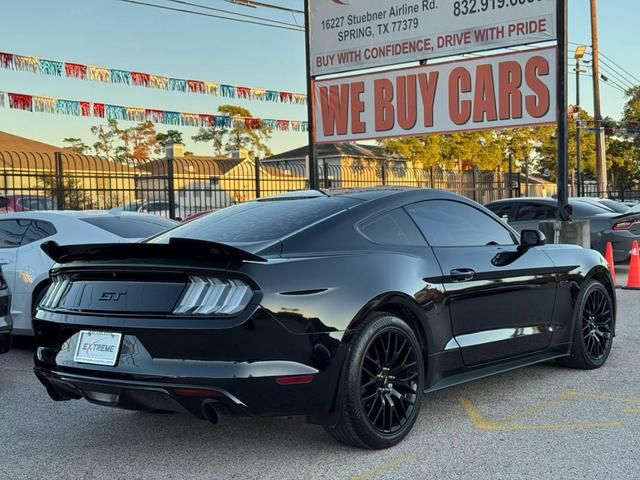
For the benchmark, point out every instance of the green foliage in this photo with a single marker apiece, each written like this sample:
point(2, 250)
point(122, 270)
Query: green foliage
point(133, 145)
point(75, 197)
point(76, 145)
point(170, 138)
point(238, 136)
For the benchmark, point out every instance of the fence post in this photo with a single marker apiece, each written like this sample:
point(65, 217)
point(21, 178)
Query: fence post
point(383, 172)
point(171, 192)
point(256, 166)
point(474, 183)
point(432, 178)
point(59, 172)
point(325, 174)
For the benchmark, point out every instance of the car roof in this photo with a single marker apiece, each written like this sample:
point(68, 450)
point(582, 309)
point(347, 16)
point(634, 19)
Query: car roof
point(368, 194)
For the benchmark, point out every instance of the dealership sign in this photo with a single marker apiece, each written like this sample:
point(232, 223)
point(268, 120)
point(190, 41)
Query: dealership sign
point(355, 34)
point(499, 91)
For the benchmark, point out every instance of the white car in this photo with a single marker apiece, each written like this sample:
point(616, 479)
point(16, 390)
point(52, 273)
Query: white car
point(26, 267)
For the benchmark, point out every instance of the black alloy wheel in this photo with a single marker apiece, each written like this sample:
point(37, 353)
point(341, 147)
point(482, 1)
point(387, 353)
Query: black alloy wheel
point(381, 387)
point(389, 380)
point(597, 324)
point(594, 328)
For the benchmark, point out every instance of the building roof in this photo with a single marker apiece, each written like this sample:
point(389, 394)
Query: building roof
point(331, 150)
point(24, 153)
point(193, 164)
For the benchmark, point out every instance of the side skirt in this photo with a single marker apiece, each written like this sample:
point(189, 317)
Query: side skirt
point(487, 371)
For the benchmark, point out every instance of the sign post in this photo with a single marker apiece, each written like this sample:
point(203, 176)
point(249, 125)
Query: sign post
point(564, 210)
point(312, 164)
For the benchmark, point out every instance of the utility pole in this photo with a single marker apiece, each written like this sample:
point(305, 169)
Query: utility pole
point(314, 180)
point(601, 162)
point(580, 51)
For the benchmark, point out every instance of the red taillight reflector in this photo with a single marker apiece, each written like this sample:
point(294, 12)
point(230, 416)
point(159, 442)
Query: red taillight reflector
point(296, 380)
point(196, 392)
point(626, 225)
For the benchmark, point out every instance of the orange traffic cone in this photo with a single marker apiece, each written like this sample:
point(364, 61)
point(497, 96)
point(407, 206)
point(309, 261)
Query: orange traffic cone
point(634, 268)
point(608, 256)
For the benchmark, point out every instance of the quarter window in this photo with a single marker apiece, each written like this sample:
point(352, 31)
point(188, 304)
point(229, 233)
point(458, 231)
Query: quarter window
point(11, 232)
point(446, 223)
point(392, 228)
point(37, 231)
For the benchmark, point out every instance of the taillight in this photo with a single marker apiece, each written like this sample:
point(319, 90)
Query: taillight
point(214, 296)
point(56, 291)
point(628, 225)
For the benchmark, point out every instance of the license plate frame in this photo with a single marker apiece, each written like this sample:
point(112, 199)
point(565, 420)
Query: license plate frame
point(107, 352)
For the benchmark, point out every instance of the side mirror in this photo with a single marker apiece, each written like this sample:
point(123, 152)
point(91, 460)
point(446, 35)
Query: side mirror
point(532, 238)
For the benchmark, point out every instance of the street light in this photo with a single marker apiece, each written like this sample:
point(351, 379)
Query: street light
point(580, 52)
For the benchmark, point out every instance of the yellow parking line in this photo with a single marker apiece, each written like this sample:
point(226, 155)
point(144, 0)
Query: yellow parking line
point(482, 423)
point(385, 467)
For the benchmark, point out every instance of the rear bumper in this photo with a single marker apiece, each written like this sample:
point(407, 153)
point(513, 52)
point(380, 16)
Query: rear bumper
point(5, 341)
point(239, 371)
point(255, 397)
point(622, 241)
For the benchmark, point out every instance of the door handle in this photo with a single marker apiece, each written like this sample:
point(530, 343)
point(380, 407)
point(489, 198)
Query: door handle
point(462, 274)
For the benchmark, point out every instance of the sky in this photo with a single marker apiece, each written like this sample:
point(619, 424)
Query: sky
point(114, 34)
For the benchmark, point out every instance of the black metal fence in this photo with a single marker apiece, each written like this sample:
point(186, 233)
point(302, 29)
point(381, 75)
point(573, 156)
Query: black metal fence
point(183, 186)
point(621, 195)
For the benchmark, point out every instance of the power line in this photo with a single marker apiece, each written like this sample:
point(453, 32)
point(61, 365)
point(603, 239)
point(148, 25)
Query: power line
point(251, 3)
point(636, 79)
point(607, 83)
point(202, 14)
point(207, 7)
point(614, 67)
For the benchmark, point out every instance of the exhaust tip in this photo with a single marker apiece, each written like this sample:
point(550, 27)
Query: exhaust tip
point(209, 411)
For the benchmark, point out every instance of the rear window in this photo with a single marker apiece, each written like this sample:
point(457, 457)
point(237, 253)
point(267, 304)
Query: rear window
point(259, 221)
point(130, 227)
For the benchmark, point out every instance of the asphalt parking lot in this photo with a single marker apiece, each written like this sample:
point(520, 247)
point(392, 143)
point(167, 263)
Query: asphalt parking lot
point(539, 422)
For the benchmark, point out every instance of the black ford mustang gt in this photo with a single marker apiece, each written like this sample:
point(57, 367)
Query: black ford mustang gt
point(342, 306)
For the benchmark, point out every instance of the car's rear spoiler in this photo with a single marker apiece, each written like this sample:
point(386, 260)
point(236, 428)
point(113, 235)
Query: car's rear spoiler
point(177, 248)
point(628, 216)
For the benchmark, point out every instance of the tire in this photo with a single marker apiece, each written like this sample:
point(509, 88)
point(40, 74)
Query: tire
point(381, 386)
point(593, 322)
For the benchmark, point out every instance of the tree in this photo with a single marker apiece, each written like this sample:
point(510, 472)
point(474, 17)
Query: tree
point(76, 145)
point(240, 135)
point(144, 142)
point(419, 152)
point(170, 138)
point(106, 137)
point(75, 197)
point(133, 145)
point(212, 135)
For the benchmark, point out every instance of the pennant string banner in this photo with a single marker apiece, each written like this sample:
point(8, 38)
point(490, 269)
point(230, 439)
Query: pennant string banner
point(77, 108)
point(10, 61)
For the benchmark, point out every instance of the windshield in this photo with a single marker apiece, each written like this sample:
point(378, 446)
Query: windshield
point(258, 221)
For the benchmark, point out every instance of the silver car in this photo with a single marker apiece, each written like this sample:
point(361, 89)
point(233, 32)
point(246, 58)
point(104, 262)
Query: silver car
point(5, 316)
point(26, 266)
